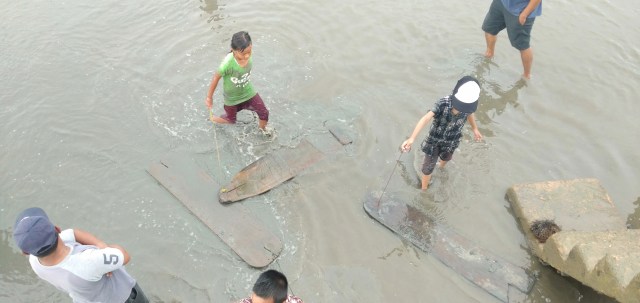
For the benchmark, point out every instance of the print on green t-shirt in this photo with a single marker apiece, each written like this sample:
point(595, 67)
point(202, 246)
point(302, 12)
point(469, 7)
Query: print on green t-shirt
point(236, 83)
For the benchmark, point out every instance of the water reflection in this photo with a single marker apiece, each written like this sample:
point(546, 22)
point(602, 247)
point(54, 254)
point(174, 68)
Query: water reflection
point(209, 6)
point(494, 98)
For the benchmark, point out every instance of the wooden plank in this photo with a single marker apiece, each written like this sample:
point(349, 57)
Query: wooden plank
point(234, 224)
point(338, 132)
point(270, 171)
point(478, 265)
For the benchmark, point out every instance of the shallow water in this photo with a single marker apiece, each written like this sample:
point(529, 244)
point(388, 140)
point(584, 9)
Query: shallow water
point(91, 93)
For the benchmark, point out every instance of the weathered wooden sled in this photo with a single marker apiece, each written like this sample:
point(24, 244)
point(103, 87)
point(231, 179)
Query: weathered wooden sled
point(270, 171)
point(483, 268)
point(281, 165)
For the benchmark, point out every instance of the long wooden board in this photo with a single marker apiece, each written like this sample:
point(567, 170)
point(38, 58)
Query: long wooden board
point(270, 171)
point(234, 224)
point(483, 268)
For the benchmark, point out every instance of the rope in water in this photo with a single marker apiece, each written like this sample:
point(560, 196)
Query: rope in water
point(215, 138)
point(385, 186)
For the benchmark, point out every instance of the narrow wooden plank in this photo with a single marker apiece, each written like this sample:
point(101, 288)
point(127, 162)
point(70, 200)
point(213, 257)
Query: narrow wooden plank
point(478, 265)
point(338, 132)
point(270, 171)
point(234, 224)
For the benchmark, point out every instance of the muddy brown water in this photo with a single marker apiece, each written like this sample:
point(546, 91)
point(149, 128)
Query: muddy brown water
point(92, 92)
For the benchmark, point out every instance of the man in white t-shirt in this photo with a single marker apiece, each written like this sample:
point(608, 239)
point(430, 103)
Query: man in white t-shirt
point(75, 261)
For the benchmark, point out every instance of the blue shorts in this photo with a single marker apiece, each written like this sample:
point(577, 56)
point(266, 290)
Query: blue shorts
point(499, 18)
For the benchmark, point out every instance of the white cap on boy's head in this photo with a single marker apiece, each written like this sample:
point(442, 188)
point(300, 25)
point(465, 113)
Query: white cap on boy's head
point(465, 95)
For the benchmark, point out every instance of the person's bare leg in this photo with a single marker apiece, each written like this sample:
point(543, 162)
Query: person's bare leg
point(262, 124)
point(217, 119)
point(527, 61)
point(425, 181)
point(443, 163)
point(491, 44)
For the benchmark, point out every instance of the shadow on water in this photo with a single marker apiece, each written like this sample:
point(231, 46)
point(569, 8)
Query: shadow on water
point(551, 286)
point(633, 221)
point(17, 280)
point(209, 6)
point(494, 97)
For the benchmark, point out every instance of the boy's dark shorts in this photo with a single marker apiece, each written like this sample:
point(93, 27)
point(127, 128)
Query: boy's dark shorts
point(254, 104)
point(137, 295)
point(431, 154)
point(499, 18)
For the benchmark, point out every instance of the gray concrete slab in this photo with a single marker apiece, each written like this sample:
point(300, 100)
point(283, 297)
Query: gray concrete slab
point(594, 245)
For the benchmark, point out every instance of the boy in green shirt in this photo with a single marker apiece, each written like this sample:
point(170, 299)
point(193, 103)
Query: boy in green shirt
point(239, 94)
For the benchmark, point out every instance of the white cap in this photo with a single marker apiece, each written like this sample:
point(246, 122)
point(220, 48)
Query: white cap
point(466, 94)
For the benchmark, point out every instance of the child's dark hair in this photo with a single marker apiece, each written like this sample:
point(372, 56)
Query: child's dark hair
point(271, 284)
point(240, 41)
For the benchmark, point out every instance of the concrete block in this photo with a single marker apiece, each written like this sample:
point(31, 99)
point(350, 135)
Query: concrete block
point(594, 245)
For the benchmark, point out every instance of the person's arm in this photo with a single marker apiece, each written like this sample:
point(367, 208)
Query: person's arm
point(86, 238)
point(126, 255)
point(406, 145)
point(212, 88)
point(476, 133)
point(527, 10)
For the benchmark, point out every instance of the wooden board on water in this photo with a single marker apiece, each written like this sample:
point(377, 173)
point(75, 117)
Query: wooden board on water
point(270, 171)
point(337, 130)
point(234, 224)
point(480, 266)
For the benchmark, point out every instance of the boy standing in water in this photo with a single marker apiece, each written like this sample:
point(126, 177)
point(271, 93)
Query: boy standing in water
point(449, 115)
point(239, 94)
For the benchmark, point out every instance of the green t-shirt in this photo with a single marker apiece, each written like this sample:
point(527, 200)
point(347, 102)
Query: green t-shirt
point(236, 84)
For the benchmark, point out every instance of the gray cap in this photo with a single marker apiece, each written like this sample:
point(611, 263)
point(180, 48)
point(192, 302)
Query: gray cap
point(34, 233)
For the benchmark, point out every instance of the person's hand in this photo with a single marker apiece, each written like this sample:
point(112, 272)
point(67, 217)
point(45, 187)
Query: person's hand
point(406, 145)
point(477, 135)
point(522, 18)
point(209, 102)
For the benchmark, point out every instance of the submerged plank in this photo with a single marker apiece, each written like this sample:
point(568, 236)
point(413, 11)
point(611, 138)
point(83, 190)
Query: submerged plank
point(485, 269)
point(270, 171)
point(338, 132)
point(234, 224)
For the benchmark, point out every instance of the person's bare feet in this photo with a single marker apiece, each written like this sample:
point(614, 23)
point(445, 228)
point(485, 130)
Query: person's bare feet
point(267, 131)
point(488, 54)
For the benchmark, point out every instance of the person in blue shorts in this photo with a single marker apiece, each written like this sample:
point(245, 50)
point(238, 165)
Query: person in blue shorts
point(517, 16)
